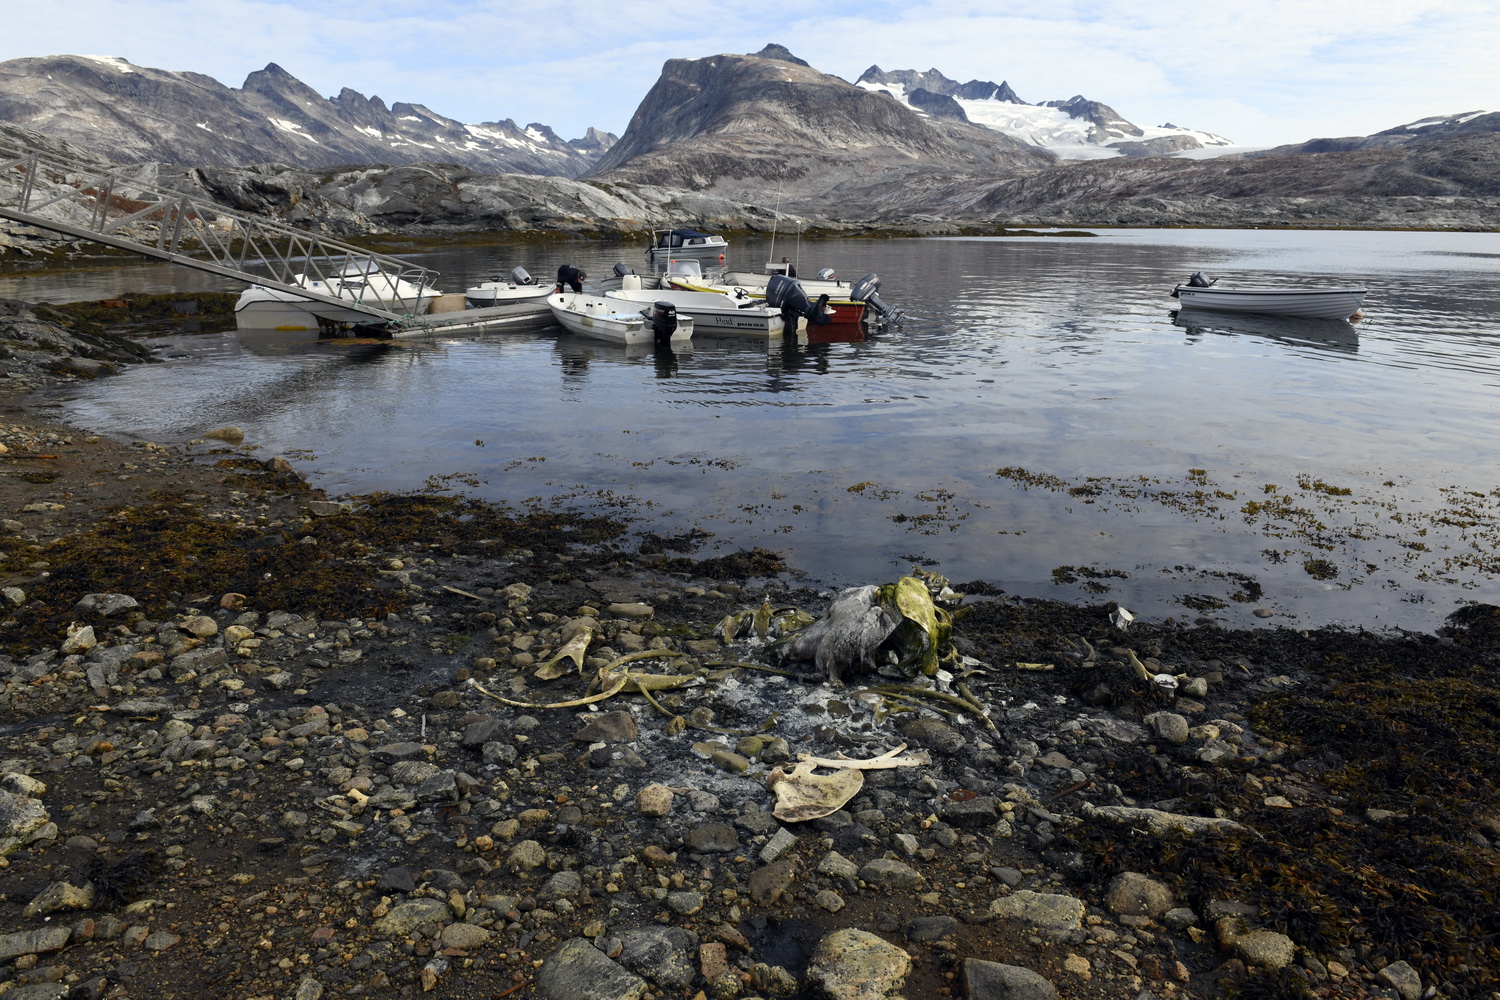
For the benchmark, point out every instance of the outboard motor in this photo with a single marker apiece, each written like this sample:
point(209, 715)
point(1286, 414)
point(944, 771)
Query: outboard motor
point(867, 290)
point(663, 319)
point(827, 274)
point(1200, 280)
point(785, 294)
point(622, 269)
point(520, 277)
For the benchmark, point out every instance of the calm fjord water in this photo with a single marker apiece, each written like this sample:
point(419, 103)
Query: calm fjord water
point(1039, 420)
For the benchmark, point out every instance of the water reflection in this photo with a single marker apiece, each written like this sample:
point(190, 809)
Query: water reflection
point(1056, 357)
point(576, 354)
point(1318, 334)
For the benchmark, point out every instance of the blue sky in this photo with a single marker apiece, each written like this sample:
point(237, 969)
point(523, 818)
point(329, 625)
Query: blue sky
point(1260, 73)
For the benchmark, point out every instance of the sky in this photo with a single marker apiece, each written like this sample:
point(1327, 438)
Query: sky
point(1260, 73)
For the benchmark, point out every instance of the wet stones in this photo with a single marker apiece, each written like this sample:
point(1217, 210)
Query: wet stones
point(1263, 948)
point(21, 818)
point(60, 896)
point(1169, 726)
point(404, 918)
point(852, 964)
point(663, 955)
point(886, 873)
point(712, 838)
point(482, 731)
point(975, 813)
point(34, 942)
point(399, 751)
point(608, 727)
point(463, 936)
point(1402, 978)
point(1134, 894)
point(528, 855)
point(766, 884)
point(934, 734)
point(997, 981)
point(578, 969)
point(654, 800)
point(1044, 911)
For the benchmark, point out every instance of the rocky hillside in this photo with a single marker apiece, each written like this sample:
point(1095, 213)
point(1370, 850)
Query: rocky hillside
point(719, 141)
point(1437, 127)
point(744, 126)
point(136, 114)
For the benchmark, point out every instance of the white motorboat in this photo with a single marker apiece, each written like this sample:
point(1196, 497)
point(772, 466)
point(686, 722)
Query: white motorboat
point(613, 320)
point(673, 244)
point(850, 301)
point(624, 276)
point(710, 311)
point(361, 283)
point(1326, 302)
point(520, 287)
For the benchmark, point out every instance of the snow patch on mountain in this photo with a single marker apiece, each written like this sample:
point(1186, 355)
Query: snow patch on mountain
point(1072, 138)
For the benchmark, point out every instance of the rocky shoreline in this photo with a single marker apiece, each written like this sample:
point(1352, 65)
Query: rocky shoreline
point(260, 742)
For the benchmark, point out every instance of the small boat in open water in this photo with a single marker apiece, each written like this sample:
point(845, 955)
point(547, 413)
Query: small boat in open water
point(1328, 302)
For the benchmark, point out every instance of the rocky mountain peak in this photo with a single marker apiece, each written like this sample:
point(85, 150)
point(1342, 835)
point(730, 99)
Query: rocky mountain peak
point(779, 52)
point(730, 124)
point(136, 114)
point(1101, 116)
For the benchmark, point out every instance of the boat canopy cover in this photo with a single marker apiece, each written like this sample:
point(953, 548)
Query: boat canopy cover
point(677, 237)
point(357, 268)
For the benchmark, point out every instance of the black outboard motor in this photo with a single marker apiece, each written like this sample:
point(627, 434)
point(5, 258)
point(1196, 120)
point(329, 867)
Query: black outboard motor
point(663, 319)
point(867, 290)
point(520, 277)
point(622, 269)
point(1200, 280)
point(785, 294)
point(828, 274)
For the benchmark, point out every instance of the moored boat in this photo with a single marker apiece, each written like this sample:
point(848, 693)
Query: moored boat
point(360, 282)
point(674, 244)
point(850, 301)
point(520, 287)
point(709, 311)
point(1312, 302)
point(609, 319)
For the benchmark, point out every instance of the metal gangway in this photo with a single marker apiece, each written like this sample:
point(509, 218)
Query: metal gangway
point(112, 205)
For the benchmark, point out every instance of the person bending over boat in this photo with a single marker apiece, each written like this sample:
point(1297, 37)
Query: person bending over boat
point(571, 277)
point(791, 269)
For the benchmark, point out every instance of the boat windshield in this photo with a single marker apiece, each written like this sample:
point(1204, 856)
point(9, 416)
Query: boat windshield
point(685, 269)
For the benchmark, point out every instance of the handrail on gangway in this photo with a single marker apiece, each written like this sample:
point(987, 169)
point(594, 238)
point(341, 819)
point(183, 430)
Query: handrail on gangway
point(96, 202)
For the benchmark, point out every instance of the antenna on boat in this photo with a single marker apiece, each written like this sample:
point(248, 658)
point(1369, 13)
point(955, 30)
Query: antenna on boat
point(775, 221)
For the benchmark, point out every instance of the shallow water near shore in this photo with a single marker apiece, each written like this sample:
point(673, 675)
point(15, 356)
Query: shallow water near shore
point(1039, 419)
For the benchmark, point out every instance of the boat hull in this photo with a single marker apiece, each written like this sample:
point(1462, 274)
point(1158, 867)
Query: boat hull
point(602, 318)
point(710, 312)
point(1309, 303)
point(843, 314)
point(260, 308)
point(498, 294)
